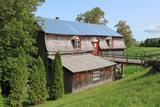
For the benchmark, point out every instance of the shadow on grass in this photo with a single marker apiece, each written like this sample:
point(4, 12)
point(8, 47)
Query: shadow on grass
point(151, 72)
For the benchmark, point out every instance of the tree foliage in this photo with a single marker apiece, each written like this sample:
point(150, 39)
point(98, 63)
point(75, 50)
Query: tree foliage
point(125, 31)
point(1, 99)
point(18, 27)
point(17, 30)
point(152, 42)
point(18, 80)
point(56, 89)
point(95, 15)
point(37, 84)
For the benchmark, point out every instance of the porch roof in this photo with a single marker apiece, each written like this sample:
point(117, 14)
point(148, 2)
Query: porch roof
point(83, 62)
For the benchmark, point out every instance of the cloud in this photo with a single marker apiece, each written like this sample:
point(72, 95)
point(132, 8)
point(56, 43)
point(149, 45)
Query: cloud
point(153, 28)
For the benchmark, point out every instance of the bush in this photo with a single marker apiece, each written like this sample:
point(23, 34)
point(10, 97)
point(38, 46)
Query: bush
point(18, 80)
point(56, 90)
point(37, 84)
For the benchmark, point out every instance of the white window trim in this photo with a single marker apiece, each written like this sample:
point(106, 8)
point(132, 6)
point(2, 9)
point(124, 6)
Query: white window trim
point(96, 75)
point(110, 41)
point(77, 44)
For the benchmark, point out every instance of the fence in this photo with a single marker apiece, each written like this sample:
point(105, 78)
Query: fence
point(134, 58)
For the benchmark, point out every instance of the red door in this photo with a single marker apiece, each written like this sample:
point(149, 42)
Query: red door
point(96, 49)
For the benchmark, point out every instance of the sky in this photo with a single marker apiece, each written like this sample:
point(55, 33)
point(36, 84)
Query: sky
point(143, 16)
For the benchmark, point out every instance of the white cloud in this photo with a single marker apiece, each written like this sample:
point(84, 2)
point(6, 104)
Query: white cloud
point(155, 28)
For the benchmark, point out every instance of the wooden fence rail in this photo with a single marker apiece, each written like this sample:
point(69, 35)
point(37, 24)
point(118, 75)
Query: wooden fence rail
point(133, 58)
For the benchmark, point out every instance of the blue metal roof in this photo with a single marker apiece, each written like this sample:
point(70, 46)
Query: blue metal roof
point(76, 28)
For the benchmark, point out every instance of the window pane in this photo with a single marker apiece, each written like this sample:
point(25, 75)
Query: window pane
point(77, 44)
point(96, 75)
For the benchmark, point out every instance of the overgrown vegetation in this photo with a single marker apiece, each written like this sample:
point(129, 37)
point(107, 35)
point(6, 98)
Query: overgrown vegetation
point(137, 90)
point(56, 90)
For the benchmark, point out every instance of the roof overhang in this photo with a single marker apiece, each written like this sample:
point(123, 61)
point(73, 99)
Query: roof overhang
point(83, 62)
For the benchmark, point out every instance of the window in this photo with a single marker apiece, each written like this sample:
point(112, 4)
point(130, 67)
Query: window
point(96, 75)
point(76, 42)
point(109, 41)
point(95, 42)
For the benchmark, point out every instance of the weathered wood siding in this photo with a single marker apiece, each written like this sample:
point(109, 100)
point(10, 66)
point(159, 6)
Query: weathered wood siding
point(84, 80)
point(68, 80)
point(114, 52)
point(63, 43)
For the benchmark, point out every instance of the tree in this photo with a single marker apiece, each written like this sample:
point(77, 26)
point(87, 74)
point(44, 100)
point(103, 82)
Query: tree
point(96, 16)
point(1, 99)
point(56, 90)
point(125, 31)
point(18, 80)
point(159, 43)
point(17, 32)
point(37, 84)
point(152, 42)
point(18, 27)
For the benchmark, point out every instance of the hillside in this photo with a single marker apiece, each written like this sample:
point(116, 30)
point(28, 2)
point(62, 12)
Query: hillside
point(142, 50)
point(136, 90)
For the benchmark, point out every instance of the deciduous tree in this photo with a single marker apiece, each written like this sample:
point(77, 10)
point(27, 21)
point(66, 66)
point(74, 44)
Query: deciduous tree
point(124, 29)
point(95, 15)
point(18, 27)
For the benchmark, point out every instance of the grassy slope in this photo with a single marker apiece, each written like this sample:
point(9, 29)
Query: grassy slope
point(132, 91)
point(140, 50)
point(135, 90)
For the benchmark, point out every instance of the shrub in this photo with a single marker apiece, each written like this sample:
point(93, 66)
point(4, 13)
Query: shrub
point(37, 84)
point(56, 90)
point(18, 80)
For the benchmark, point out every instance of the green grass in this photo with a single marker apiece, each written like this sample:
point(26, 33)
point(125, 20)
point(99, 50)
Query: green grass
point(131, 69)
point(141, 50)
point(136, 90)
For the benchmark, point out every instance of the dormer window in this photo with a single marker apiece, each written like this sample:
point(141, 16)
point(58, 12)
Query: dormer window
point(76, 42)
point(96, 48)
point(95, 43)
point(109, 41)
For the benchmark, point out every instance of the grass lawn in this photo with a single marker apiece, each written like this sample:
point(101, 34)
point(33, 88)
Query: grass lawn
point(141, 50)
point(136, 90)
point(131, 69)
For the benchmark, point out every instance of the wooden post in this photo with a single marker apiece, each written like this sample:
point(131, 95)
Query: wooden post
point(122, 70)
point(127, 58)
point(136, 56)
point(142, 59)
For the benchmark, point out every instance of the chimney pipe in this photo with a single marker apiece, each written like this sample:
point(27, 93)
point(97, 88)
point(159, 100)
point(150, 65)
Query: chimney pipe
point(57, 18)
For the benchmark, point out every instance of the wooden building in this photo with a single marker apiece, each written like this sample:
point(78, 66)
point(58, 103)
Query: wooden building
point(81, 46)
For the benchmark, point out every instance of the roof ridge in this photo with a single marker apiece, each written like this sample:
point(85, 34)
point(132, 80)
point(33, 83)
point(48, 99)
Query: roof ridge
point(58, 26)
point(74, 21)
